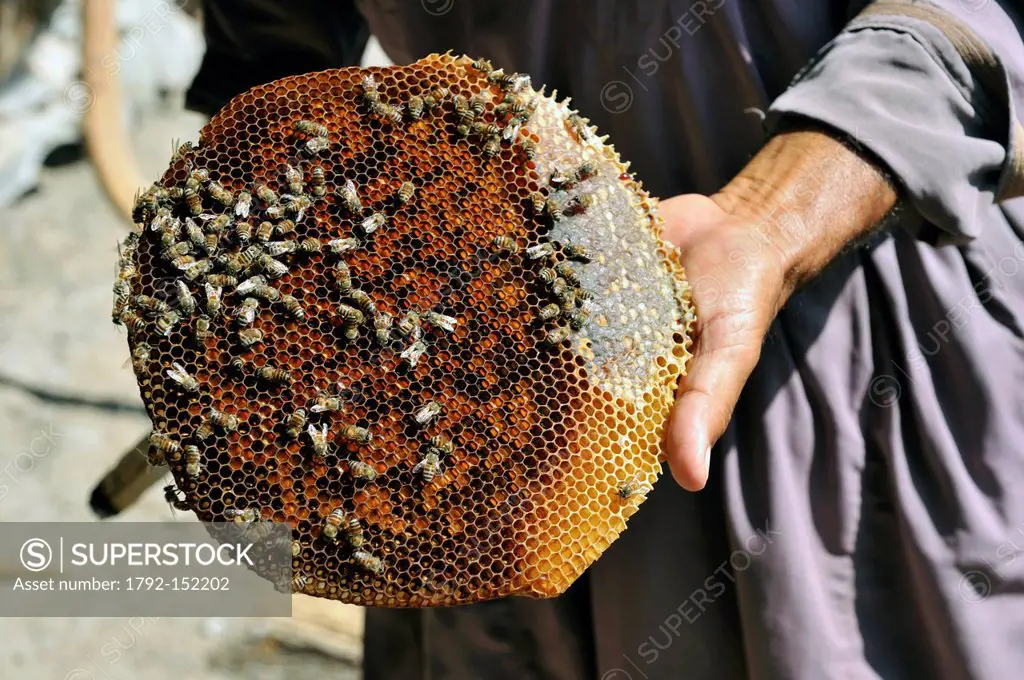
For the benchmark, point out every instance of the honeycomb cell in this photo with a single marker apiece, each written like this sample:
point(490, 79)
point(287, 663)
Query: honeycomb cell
point(451, 393)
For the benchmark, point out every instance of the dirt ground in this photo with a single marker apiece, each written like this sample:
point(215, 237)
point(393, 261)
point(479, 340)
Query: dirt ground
point(69, 407)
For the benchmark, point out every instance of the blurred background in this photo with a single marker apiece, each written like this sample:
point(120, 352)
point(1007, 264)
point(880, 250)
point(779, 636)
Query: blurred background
point(69, 404)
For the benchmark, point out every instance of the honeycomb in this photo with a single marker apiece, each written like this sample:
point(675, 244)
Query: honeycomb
point(422, 314)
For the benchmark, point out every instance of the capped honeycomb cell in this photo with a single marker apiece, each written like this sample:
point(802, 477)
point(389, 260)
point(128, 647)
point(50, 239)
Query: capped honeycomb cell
point(423, 314)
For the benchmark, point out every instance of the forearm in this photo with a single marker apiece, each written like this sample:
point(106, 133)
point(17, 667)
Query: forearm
point(807, 195)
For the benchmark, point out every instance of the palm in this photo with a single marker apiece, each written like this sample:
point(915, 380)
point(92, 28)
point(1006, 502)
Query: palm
point(736, 286)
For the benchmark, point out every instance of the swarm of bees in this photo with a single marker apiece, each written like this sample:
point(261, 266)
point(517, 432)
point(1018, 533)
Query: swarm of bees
point(382, 304)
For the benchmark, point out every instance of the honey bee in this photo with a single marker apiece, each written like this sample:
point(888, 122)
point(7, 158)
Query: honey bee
point(194, 233)
point(443, 445)
point(578, 319)
point(220, 194)
point(165, 322)
point(192, 200)
point(245, 312)
point(578, 127)
point(538, 202)
point(547, 276)
point(199, 175)
point(529, 147)
point(213, 300)
point(264, 231)
point(342, 278)
point(318, 438)
point(631, 487)
point(222, 280)
point(563, 179)
point(140, 355)
point(429, 466)
point(273, 374)
point(186, 301)
point(225, 421)
point(202, 330)
point(326, 403)
point(415, 107)
point(349, 198)
point(317, 182)
point(247, 516)
point(295, 424)
point(293, 178)
point(576, 252)
point(586, 170)
point(274, 212)
point(340, 246)
point(268, 293)
point(197, 268)
point(387, 112)
point(579, 204)
point(291, 306)
point(556, 336)
point(362, 301)
point(412, 354)
point(405, 193)
point(492, 147)
point(272, 267)
point(309, 127)
point(567, 272)
point(368, 562)
point(210, 243)
point(441, 321)
point(566, 298)
point(354, 433)
point(556, 206)
point(250, 336)
point(463, 112)
point(483, 65)
point(382, 327)
point(484, 129)
point(180, 375)
point(145, 205)
point(151, 305)
point(427, 412)
point(121, 295)
point(280, 247)
point(192, 461)
point(172, 498)
point(350, 316)
point(333, 523)
point(478, 102)
point(409, 326)
point(297, 206)
point(372, 223)
point(506, 244)
point(205, 431)
point(559, 287)
point(243, 204)
point(435, 98)
point(284, 226)
point(266, 194)
point(237, 366)
point(243, 232)
point(362, 471)
point(549, 312)
point(250, 284)
point(370, 93)
point(161, 447)
point(176, 249)
point(310, 245)
point(511, 131)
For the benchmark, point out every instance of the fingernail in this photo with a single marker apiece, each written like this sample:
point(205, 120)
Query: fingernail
point(706, 460)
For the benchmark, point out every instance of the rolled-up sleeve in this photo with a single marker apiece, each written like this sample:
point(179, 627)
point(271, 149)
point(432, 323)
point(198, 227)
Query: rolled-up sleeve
point(932, 90)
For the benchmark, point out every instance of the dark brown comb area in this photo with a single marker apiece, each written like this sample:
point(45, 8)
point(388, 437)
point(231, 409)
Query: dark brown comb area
point(348, 310)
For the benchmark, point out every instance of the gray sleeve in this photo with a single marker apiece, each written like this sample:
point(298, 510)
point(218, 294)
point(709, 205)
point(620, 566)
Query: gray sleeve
point(929, 90)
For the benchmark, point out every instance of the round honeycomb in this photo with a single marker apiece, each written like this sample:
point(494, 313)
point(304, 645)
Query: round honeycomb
point(422, 314)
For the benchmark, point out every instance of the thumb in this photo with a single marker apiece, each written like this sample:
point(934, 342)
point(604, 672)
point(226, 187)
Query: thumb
point(726, 351)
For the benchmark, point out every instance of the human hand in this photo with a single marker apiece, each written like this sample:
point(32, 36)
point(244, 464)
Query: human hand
point(745, 249)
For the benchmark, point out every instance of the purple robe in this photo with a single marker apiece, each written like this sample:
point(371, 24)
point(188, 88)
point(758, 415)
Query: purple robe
point(864, 516)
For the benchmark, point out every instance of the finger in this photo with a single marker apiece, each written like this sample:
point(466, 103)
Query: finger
point(707, 397)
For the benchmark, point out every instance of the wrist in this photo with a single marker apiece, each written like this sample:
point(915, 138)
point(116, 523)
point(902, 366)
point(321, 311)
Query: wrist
point(805, 196)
